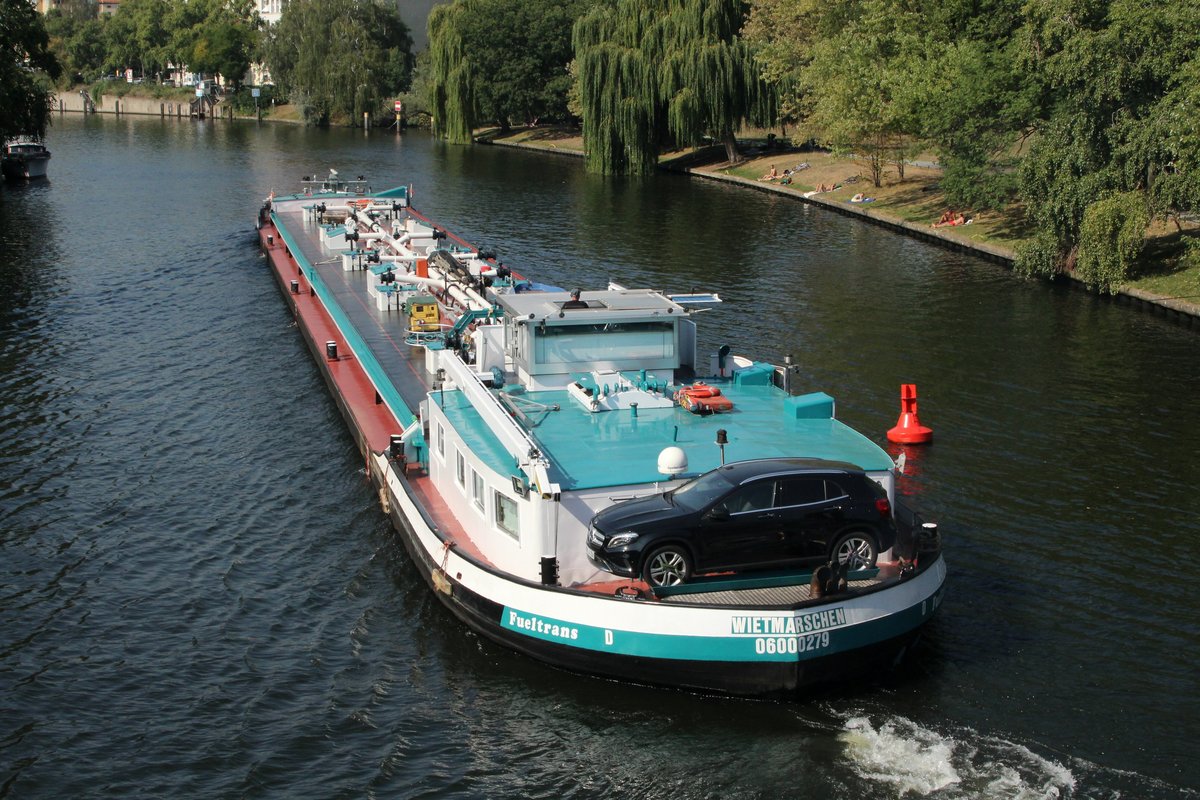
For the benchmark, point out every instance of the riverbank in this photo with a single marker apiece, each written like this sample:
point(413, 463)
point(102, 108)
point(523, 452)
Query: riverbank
point(909, 206)
point(175, 104)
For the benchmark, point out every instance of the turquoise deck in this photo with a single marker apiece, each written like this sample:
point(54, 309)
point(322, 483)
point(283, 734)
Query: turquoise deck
point(614, 448)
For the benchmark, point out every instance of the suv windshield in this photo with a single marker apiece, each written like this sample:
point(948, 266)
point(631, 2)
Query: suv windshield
point(698, 493)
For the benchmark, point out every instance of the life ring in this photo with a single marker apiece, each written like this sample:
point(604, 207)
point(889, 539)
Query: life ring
point(704, 399)
point(700, 390)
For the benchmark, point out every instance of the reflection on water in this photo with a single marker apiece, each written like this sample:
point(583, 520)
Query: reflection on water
point(200, 597)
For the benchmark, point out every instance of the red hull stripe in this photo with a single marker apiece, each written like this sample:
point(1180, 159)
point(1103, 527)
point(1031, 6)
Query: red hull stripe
point(374, 422)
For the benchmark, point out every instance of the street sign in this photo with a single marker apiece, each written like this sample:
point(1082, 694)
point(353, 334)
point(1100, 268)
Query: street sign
point(399, 106)
point(256, 92)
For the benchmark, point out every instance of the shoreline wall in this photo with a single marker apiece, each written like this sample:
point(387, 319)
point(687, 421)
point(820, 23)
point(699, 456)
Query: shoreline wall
point(147, 106)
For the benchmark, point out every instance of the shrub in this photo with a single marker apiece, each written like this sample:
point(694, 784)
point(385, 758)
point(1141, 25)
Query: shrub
point(1111, 239)
point(1039, 257)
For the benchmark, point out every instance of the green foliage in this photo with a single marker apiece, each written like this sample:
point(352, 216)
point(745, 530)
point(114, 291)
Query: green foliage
point(1110, 99)
point(340, 57)
point(451, 75)
point(209, 36)
point(862, 85)
point(1039, 257)
point(503, 61)
point(77, 40)
point(653, 72)
point(975, 114)
point(24, 98)
point(243, 100)
point(1191, 255)
point(1058, 103)
point(1111, 239)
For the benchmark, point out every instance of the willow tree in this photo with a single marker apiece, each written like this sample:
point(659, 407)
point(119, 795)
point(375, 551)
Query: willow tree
point(657, 72)
point(451, 78)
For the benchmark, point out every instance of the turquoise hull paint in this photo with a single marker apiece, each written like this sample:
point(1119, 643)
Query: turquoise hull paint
point(745, 647)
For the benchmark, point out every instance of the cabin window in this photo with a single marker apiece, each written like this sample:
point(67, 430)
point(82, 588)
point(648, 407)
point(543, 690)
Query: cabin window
point(506, 515)
point(477, 489)
point(575, 344)
point(441, 440)
point(462, 468)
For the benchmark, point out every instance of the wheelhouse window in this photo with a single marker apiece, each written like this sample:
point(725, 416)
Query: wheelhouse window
point(441, 442)
point(461, 467)
point(506, 515)
point(579, 344)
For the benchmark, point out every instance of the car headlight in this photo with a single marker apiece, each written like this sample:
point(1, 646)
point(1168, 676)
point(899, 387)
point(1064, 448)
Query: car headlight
point(621, 540)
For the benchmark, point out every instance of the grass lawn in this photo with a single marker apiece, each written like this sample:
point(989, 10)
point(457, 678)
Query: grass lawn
point(916, 198)
point(1165, 270)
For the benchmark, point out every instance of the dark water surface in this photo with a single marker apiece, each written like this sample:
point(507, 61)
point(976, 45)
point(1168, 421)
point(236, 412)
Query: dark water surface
point(199, 596)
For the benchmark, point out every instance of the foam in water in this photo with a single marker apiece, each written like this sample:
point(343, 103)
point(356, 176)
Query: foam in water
point(913, 760)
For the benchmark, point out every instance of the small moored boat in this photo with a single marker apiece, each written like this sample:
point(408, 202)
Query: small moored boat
point(577, 482)
point(24, 157)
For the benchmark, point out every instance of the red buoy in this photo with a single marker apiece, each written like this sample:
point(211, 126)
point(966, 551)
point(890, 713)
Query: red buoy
point(909, 429)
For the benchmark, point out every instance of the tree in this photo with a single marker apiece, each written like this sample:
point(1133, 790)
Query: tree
point(342, 57)
point(137, 35)
point(499, 60)
point(24, 48)
point(653, 72)
point(1112, 80)
point(77, 39)
point(451, 75)
point(211, 36)
point(223, 48)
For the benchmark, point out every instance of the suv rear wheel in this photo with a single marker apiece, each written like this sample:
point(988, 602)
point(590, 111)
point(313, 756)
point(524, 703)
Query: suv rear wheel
point(857, 550)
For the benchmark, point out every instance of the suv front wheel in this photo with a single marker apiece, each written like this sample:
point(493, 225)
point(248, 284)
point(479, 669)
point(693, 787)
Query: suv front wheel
point(667, 566)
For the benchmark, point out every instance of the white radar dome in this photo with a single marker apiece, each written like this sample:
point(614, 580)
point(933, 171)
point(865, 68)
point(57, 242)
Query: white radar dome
point(672, 461)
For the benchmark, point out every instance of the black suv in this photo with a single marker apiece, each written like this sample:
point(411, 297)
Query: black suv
point(752, 514)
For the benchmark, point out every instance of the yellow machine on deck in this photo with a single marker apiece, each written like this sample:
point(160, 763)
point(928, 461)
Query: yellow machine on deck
point(423, 314)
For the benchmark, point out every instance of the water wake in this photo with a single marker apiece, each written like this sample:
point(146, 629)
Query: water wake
point(917, 761)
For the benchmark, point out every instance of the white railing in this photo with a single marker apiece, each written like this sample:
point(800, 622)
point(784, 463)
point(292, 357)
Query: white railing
point(511, 435)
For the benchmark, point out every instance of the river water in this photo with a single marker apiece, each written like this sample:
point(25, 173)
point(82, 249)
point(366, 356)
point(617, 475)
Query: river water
point(199, 596)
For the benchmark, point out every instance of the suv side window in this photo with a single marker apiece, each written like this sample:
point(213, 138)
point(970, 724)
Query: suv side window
point(834, 492)
point(755, 497)
point(803, 491)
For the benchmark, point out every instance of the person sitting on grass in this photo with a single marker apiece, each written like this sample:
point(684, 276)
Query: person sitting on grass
point(951, 218)
point(770, 176)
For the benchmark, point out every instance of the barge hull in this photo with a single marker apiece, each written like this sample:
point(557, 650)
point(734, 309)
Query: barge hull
point(485, 612)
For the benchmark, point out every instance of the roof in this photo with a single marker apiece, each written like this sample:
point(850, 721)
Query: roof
point(619, 448)
point(607, 303)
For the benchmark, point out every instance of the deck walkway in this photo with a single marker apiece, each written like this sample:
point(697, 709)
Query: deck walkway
point(383, 331)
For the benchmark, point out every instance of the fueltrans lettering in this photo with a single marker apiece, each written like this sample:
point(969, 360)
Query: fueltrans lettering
point(783, 626)
point(538, 625)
